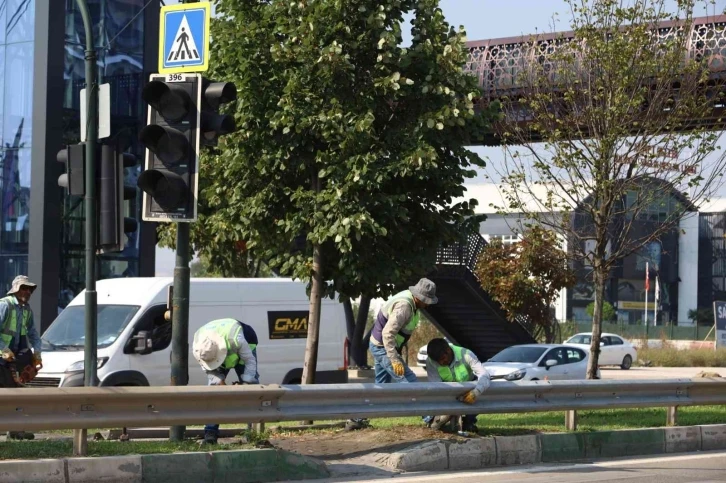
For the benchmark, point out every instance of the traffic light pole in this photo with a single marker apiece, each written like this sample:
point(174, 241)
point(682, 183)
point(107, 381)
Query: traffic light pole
point(90, 348)
point(180, 319)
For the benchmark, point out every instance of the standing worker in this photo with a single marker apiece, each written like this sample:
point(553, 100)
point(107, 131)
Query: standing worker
point(222, 345)
point(17, 336)
point(450, 363)
point(394, 325)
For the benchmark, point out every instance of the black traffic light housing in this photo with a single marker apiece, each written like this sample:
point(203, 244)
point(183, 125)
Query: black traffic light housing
point(74, 159)
point(183, 115)
point(112, 192)
point(169, 180)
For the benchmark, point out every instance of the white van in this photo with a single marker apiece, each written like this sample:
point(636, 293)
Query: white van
point(134, 339)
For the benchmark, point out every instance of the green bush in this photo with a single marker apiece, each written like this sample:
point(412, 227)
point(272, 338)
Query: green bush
point(608, 311)
point(671, 357)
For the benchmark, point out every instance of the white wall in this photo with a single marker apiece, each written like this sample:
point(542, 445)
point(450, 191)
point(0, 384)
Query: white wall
point(687, 267)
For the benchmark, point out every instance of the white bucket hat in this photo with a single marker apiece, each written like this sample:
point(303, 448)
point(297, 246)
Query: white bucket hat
point(18, 282)
point(210, 350)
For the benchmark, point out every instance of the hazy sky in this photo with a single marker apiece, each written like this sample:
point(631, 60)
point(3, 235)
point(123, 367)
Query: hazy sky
point(482, 19)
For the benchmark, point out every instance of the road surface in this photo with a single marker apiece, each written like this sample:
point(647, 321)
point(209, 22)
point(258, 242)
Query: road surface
point(709, 467)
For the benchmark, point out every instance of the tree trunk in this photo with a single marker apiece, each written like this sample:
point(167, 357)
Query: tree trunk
point(599, 281)
point(358, 348)
point(349, 319)
point(311, 349)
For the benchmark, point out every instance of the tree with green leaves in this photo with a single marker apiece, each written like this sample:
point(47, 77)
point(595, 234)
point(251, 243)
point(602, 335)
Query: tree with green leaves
point(621, 123)
point(526, 278)
point(350, 152)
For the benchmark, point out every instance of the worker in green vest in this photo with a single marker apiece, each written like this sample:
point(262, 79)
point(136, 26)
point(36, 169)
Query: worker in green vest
point(18, 336)
point(451, 363)
point(220, 346)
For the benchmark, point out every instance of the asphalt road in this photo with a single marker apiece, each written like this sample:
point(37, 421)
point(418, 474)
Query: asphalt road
point(707, 467)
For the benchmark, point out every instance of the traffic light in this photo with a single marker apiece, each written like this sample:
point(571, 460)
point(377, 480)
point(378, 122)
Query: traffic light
point(212, 123)
point(171, 137)
point(112, 191)
point(183, 115)
point(74, 159)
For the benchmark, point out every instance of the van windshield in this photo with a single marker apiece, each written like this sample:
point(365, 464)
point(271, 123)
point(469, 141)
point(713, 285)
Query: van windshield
point(68, 331)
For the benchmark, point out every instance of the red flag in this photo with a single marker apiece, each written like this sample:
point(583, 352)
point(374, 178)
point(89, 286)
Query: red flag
point(647, 279)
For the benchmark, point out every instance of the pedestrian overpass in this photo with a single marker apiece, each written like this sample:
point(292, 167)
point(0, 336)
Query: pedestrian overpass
point(499, 63)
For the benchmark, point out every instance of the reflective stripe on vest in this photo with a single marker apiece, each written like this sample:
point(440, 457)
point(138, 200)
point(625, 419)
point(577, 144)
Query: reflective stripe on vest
point(228, 329)
point(462, 371)
point(405, 333)
point(10, 327)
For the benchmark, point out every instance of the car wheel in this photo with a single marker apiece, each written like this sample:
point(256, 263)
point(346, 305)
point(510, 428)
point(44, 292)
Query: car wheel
point(534, 379)
point(627, 362)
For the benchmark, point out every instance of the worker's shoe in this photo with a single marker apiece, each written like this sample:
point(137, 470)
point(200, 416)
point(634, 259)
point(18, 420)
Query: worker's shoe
point(18, 435)
point(210, 437)
point(354, 424)
point(469, 427)
point(439, 422)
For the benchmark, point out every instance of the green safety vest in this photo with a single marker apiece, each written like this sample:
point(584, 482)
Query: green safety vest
point(10, 325)
point(408, 329)
point(228, 329)
point(462, 371)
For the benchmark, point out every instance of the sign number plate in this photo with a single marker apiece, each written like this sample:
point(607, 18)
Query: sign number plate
point(175, 78)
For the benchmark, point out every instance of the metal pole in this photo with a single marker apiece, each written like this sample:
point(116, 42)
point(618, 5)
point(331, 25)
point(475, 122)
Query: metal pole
point(90, 199)
point(180, 319)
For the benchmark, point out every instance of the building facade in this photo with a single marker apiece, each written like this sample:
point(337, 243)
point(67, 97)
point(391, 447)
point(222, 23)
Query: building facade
point(42, 44)
point(673, 259)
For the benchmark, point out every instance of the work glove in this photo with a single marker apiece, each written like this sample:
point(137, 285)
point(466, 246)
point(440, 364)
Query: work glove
point(470, 397)
point(398, 368)
point(37, 361)
point(8, 355)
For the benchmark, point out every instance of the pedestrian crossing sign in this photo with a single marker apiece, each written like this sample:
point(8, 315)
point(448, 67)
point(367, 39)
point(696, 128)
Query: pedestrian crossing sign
point(184, 38)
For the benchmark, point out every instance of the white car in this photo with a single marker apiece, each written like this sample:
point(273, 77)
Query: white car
point(614, 350)
point(534, 362)
point(422, 356)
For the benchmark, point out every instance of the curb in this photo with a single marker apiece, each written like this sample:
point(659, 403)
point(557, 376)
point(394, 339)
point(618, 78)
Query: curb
point(245, 466)
point(556, 447)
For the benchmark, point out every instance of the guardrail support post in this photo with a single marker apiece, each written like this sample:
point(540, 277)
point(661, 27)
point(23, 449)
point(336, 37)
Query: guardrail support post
point(80, 442)
point(672, 416)
point(571, 420)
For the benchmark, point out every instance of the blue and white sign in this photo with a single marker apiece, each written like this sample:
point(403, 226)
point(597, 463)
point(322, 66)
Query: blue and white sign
point(719, 312)
point(184, 38)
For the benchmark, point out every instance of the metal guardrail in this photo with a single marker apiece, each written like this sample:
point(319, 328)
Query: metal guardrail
point(77, 408)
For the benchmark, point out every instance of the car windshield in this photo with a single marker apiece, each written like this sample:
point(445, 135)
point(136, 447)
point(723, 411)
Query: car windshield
point(519, 354)
point(68, 330)
point(580, 339)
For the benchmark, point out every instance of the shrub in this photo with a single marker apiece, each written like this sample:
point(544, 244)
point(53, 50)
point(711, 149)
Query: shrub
point(671, 357)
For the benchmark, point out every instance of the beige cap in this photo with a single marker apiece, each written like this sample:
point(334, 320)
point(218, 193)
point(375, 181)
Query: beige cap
point(210, 350)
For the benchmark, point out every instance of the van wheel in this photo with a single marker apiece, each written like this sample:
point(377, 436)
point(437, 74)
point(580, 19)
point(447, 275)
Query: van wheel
point(534, 379)
point(627, 363)
point(295, 382)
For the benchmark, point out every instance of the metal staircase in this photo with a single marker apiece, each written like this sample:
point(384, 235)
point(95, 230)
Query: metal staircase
point(466, 314)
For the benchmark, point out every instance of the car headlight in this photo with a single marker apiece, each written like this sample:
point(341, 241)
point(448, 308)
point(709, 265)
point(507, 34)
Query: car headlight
point(80, 365)
point(516, 375)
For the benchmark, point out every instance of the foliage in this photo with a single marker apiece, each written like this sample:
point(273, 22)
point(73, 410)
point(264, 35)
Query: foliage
point(347, 141)
point(612, 143)
point(608, 311)
point(526, 277)
point(668, 356)
point(703, 316)
point(244, 267)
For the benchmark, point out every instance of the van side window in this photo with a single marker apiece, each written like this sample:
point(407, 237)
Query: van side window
point(153, 321)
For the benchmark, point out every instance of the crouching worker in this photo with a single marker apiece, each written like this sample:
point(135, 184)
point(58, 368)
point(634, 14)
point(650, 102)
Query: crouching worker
point(450, 363)
point(223, 345)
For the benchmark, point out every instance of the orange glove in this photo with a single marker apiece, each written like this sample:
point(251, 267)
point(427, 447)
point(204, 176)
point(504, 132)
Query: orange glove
point(8, 355)
point(469, 397)
point(37, 361)
point(398, 368)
